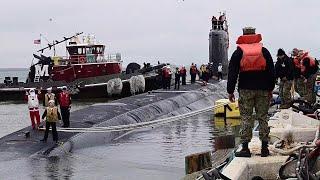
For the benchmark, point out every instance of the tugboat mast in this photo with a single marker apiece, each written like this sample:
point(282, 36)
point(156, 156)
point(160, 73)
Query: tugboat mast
point(58, 42)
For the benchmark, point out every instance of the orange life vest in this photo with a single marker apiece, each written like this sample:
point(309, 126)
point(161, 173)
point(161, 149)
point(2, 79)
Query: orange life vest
point(297, 62)
point(252, 58)
point(193, 70)
point(304, 57)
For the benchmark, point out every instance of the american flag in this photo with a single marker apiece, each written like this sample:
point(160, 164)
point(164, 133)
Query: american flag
point(37, 41)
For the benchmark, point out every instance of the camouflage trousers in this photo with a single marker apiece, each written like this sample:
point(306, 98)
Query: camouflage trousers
point(249, 100)
point(285, 93)
point(310, 94)
point(300, 87)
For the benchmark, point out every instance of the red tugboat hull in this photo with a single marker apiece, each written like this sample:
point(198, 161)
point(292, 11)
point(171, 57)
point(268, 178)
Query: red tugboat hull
point(72, 72)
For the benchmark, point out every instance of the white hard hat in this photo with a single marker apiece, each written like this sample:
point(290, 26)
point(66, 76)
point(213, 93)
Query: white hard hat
point(51, 101)
point(64, 87)
point(49, 89)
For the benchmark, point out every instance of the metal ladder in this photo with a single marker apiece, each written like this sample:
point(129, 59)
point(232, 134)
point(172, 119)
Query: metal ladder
point(36, 78)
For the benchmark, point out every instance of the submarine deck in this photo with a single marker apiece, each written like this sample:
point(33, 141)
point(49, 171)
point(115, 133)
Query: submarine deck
point(17, 145)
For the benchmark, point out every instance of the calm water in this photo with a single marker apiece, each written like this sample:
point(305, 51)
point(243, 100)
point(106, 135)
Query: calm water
point(21, 73)
point(156, 153)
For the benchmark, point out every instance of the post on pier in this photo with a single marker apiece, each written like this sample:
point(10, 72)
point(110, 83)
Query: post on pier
point(197, 162)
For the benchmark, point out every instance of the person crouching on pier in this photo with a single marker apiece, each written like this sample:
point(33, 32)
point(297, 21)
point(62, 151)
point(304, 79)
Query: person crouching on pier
point(52, 116)
point(33, 105)
point(65, 106)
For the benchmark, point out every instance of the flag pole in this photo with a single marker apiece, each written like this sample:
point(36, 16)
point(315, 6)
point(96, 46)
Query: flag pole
point(40, 41)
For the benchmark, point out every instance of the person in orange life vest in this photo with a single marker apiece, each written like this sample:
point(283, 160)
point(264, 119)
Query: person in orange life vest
point(165, 77)
point(299, 85)
point(309, 69)
point(33, 105)
point(193, 73)
point(183, 73)
point(52, 116)
point(65, 106)
point(205, 76)
point(253, 64)
point(49, 96)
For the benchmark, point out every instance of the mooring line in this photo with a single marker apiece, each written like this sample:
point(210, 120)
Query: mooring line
point(129, 127)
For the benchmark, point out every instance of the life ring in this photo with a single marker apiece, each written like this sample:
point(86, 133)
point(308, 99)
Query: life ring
point(82, 60)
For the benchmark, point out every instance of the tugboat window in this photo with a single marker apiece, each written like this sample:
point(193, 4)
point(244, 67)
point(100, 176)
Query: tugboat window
point(79, 50)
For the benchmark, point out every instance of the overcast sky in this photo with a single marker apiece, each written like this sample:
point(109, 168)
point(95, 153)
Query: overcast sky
point(150, 30)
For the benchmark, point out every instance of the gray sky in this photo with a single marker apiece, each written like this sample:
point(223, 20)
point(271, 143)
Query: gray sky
point(149, 30)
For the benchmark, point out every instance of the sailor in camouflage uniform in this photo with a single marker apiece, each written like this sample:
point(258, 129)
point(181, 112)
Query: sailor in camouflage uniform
point(253, 64)
point(284, 70)
point(309, 69)
point(299, 85)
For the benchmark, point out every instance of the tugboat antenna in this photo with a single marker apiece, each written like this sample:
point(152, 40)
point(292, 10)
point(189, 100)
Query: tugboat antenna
point(58, 42)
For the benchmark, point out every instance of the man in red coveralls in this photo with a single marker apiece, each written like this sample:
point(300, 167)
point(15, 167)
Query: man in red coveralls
point(65, 106)
point(33, 105)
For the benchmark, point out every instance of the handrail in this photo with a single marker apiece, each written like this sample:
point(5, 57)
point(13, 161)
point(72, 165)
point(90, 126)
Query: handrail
point(86, 58)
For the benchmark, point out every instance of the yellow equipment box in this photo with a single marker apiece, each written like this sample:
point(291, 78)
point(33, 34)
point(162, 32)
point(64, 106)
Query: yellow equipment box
point(219, 122)
point(219, 111)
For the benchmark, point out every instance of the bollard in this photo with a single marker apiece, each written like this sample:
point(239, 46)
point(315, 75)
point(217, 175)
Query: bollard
point(197, 162)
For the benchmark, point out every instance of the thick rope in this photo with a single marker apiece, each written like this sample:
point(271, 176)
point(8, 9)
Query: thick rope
point(139, 125)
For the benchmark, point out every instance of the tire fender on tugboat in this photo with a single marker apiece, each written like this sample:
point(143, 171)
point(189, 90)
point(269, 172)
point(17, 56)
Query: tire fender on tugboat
point(82, 60)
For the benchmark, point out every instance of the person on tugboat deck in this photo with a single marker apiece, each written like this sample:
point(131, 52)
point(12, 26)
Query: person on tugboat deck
point(253, 64)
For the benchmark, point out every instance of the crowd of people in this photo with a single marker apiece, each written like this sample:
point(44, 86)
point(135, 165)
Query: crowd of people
point(252, 68)
point(204, 73)
point(217, 23)
point(51, 113)
point(296, 73)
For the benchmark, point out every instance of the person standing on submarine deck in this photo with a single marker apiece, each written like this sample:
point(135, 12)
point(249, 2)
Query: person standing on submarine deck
point(52, 116)
point(65, 106)
point(253, 64)
point(49, 96)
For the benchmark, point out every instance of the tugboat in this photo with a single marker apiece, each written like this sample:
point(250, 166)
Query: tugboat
point(86, 59)
point(86, 71)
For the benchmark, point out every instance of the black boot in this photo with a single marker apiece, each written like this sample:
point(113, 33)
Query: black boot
point(244, 152)
point(264, 149)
